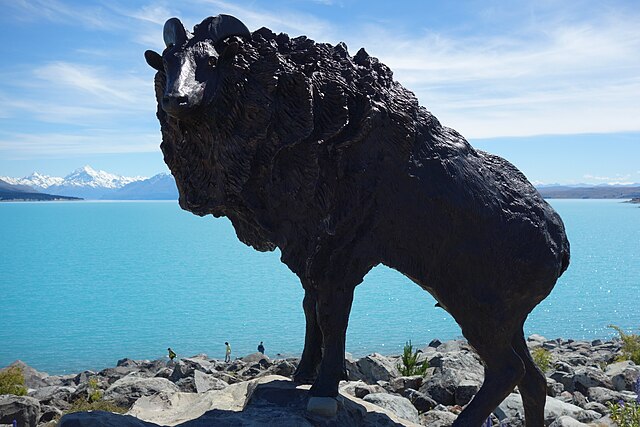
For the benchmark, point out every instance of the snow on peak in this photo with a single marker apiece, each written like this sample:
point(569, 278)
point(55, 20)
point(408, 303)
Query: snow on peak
point(85, 177)
point(35, 180)
point(89, 177)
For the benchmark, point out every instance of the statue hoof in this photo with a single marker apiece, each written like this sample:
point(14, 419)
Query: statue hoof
point(324, 406)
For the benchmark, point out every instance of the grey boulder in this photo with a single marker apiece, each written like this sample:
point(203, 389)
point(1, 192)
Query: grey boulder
point(266, 401)
point(376, 367)
point(623, 375)
point(25, 410)
point(127, 390)
point(399, 405)
point(205, 382)
point(512, 407)
point(437, 418)
point(587, 377)
point(566, 421)
point(450, 370)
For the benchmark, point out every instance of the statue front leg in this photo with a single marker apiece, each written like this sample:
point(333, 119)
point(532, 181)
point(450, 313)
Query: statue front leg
point(307, 370)
point(333, 307)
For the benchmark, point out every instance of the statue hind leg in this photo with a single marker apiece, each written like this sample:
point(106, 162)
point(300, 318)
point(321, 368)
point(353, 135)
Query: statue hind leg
point(503, 370)
point(532, 386)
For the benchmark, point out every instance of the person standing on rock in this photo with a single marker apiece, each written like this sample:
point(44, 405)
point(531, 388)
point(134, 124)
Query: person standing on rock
point(172, 354)
point(261, 347)
point(227, 354)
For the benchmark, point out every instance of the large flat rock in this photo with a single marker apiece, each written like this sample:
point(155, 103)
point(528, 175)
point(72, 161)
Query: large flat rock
point(267, 401)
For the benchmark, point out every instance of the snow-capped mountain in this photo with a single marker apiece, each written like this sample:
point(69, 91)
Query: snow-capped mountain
point(85, 182)
point(89, 177)
point(158, 187)
point(35, 180)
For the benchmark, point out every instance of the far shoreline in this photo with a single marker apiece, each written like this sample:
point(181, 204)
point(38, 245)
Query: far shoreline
point(276, 356)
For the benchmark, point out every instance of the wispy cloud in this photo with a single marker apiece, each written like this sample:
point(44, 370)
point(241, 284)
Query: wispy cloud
point(575, 78)
point(156, 14)
point(295, 23)
point(79, 94)
point(99, 141)
point(560, 73)
point(93, 17)
point(115, 89)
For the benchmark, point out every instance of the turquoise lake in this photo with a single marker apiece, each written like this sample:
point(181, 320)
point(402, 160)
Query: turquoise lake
point(83, 284)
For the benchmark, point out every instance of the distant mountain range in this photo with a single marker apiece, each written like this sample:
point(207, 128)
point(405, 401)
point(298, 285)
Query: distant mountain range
point(158, 187)
point(88, 183)
point(23, 192)
point(590, 192)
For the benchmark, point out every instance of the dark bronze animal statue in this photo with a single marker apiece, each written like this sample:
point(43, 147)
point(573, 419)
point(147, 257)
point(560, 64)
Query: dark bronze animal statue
point(324, 156)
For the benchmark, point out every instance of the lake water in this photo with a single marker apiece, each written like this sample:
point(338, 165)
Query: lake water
point(85, 284)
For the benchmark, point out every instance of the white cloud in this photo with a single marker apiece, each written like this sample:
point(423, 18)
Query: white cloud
point(254, 17)
point(558, 75)
point(93, 17)
point(155, 14)
point(78, 94)
point(98, 141)
point(87, 80)
point(576, 78)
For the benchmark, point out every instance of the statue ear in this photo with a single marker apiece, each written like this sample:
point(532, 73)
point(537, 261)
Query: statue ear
point(154, 60)
point(294, 107)
point(174, 33)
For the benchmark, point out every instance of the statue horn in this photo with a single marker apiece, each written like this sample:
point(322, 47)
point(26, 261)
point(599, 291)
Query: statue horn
point(223, 26)
point(174, 32)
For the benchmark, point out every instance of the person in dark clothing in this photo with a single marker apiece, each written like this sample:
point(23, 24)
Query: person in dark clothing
point(261, 347)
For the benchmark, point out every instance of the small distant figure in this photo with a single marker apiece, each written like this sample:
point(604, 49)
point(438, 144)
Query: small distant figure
point(227, 354)
point(172, 354)
point(261, 347)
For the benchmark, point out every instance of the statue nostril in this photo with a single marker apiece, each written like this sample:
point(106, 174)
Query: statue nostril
point(175, 103)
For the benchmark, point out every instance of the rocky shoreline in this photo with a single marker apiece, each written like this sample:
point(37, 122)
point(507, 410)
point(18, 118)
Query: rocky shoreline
point(255, 390)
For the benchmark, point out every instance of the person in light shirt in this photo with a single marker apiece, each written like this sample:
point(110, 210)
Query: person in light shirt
point(227, 354)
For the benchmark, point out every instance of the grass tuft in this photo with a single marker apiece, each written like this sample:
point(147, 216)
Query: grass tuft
point(630, 345)
point(12, 381)
point(542, 358)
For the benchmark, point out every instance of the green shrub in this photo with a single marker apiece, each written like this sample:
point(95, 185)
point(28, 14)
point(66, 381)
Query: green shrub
point(410, 365)
point(82, 405)
point(94, 393)
point(630, 345)
point(94, 401)
point(625, 414)
point(542, 358)
point(12, 381)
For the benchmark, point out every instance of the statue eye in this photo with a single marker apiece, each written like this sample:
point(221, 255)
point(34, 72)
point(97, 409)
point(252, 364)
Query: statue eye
point(213, 61)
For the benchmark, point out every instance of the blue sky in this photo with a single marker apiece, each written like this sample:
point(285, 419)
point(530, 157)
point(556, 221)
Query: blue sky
point(553, 86)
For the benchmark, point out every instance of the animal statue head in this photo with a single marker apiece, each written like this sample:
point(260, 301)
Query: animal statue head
point(195, 63)
point(323, 155)
point(221, 89)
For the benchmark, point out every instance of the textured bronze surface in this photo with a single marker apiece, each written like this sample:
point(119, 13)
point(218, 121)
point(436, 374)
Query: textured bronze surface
point(324, 156)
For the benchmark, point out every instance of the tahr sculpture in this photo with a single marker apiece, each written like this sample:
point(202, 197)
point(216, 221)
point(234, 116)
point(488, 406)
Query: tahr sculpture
point(324, 156)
